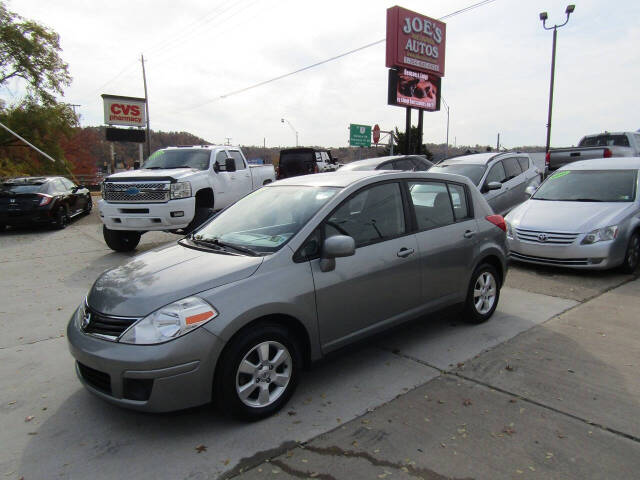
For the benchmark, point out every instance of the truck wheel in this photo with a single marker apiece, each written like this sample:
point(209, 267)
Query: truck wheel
point(121, 240)
point(258, 372)
point(483, 294)
point(201, 215)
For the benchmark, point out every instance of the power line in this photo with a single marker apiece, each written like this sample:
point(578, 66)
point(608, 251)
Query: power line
point(336, 57)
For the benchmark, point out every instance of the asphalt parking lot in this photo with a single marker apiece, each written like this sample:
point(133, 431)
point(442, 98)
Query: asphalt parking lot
point(548, 388)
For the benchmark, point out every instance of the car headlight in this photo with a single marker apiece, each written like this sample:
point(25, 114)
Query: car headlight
point(169, 322)
point(600, 235)
point(180, 190)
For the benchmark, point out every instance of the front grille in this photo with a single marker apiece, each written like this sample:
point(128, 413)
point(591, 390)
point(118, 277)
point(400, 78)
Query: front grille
point(551, 261)
point(550, 238)
point(157, 192)
point(100, 324)
point(98, 380)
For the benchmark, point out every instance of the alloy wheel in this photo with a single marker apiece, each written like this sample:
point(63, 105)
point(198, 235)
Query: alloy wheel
point(634, 252)
point(484, 293)
point(264, 374)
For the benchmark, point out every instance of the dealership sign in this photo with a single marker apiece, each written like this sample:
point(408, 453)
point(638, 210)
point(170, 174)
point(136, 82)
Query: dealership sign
point(415, 41)
point(359, 135)
point(408, 88)
point(128, 111)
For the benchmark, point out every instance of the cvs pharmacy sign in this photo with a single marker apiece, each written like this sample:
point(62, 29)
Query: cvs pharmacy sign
point(124, 110)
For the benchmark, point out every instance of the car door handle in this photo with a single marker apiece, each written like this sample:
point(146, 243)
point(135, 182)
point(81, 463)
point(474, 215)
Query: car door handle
point(469, 234)
point(405, 252)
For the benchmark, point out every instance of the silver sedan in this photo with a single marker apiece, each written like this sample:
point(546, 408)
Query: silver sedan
point(583, 216)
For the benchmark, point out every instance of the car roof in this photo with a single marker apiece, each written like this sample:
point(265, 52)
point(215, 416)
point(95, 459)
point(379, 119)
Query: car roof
point(29, 180)
point(377, 160)
point(479, 158)
point(344, 179)
point(303, 150)
point(614, 163)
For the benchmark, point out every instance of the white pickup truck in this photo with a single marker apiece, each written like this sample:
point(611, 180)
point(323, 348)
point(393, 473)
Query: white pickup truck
point(175, 190)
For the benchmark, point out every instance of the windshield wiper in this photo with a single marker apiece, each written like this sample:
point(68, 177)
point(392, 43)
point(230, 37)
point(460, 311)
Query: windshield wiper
point(582, 200)
point(216, 242)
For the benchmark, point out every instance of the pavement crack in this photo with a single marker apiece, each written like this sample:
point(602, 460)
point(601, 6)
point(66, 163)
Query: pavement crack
point(547, 407)
point(409, 468)
point(32, 342)
point(299, 473)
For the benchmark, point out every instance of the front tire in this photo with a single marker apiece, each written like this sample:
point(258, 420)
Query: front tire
point(258, 372)
point(121, 240)
point(632, 257)
point(88, 206)
point(483, 294)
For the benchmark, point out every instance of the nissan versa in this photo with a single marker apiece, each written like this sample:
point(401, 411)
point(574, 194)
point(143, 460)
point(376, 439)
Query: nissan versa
point(295, 270)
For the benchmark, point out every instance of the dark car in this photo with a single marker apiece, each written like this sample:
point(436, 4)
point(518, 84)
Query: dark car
point(304, 161)
point(41, 201)
point(413, 163)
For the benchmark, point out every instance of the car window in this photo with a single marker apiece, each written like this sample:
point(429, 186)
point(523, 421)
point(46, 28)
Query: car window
point(237, 156)
point(325, 156)
point(403, 164)
point(58, 186)
point(372, 215)
point(431, 203)
point(420, 165)
point(386, 166)
point(67, 183)
point(496, 173)
point(221, 159)
point(605, 140)
point(524, 163)
point(511, 167)
point(637, 137)
point(459, 201)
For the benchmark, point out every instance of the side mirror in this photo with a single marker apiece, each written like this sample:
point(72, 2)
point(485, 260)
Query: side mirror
point(530, 190)
point(335, 247)
point(231, 165)
point(492, 186)
point(136, 165)
point(216, 167)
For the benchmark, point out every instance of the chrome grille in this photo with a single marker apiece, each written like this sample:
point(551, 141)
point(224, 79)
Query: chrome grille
point(553, 261)
point(135, 192)
point(549, 238)
point(105, 326)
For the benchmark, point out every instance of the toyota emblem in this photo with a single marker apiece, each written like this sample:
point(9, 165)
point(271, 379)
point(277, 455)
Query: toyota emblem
point(542, 237)
point(86, 320)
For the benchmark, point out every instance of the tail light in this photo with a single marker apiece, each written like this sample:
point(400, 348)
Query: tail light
point(44, 199)
point(498, 221)
point(315, 168)
point(607, 153)
point(547, 159)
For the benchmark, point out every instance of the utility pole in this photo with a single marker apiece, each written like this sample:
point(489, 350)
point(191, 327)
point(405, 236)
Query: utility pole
point(420, 120)
point(498, 144)
point(407, 134)
point(146, 106)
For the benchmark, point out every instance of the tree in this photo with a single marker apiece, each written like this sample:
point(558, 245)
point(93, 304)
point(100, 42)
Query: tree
point(30, 51)
point(400, 148)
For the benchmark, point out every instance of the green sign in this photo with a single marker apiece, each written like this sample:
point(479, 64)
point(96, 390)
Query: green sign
point(359, 135)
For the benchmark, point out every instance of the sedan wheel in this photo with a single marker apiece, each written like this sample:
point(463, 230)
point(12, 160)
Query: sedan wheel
point(263, 374)
point(632, 258)
point(258, 371)
point(483, 294)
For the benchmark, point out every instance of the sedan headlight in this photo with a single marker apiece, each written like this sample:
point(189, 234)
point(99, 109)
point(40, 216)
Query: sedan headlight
point(171, 321)
point(601, 235)
point(180, 190)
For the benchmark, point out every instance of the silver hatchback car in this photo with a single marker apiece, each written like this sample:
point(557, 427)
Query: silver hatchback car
point(284, 276)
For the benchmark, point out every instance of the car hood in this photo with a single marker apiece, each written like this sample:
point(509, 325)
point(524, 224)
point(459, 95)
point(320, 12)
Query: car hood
point(177, 173)
point(573, 217)
point(159, 277)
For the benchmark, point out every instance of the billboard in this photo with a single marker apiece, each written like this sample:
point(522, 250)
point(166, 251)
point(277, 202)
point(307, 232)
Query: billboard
point(125, 135)
point(408, 88)
point(128, 111)
point(415, 41)
point(359, 135)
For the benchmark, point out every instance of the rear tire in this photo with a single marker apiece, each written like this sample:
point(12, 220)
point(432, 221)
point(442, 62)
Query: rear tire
point(61, 220)
point(258, 372)
point(483, 294)
point(632, 257)
point(121, 240)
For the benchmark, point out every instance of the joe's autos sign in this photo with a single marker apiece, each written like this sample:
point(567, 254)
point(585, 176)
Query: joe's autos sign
point(124, 111)
point(415, 41)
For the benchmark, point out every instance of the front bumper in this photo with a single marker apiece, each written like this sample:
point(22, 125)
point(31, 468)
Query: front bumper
point(596, 256)
point(155, 378)
point(147, 216)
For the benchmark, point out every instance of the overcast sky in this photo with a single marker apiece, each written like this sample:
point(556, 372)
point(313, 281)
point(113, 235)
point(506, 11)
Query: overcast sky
point(497, 67)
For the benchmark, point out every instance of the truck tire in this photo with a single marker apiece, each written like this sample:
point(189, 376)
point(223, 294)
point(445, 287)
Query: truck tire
point(201, 215)
point(121, 240)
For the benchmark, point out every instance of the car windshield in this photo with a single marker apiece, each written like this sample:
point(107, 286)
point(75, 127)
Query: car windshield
point(589, 186)
point(21, 187)
point(472, 172)
point(189, 158)
point(266, 219)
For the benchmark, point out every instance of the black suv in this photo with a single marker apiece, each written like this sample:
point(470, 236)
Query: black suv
point(41, 200)
point(303, 161)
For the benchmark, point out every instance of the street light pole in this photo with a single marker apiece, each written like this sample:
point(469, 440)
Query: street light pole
point(283, 120)
point(543, 16)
